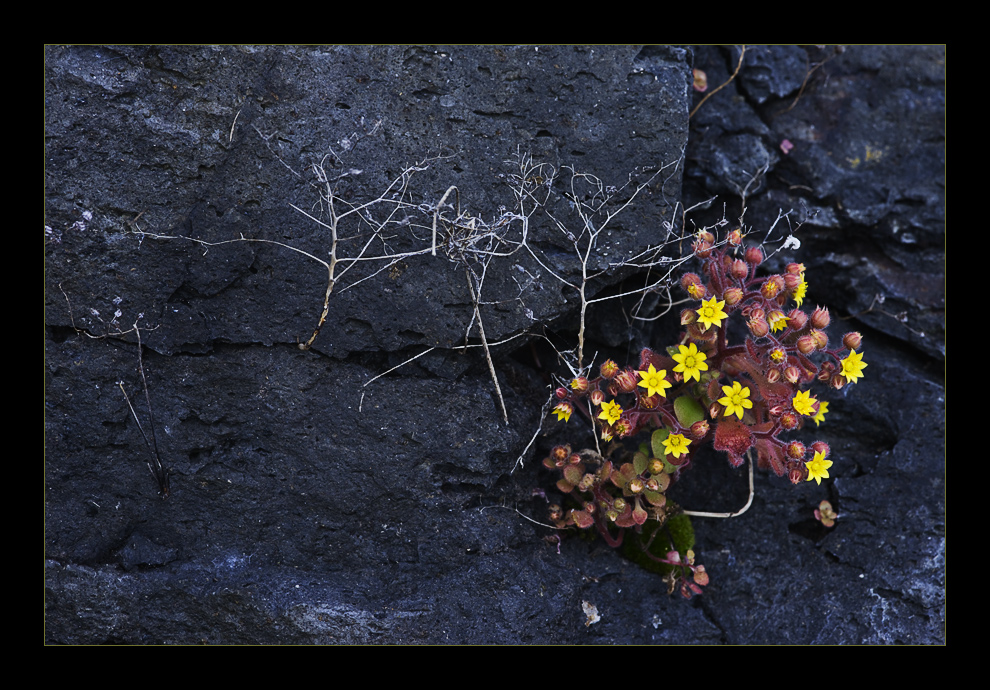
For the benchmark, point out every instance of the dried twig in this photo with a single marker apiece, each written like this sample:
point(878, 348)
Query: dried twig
point(742, 53)
point(155, 465)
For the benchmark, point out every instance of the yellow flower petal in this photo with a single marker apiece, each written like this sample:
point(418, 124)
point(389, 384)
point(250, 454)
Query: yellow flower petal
point(804, 403)
point(690, 362)
point(736, 399)
point(852, 366)
point(711, 313)
point(654, 381)
point(818, 467)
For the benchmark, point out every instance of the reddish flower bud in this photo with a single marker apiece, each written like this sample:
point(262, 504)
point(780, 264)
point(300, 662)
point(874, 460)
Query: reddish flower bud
point(792, 374)
point(714, 410)
point(706, 236)
point(689, 316)
point(701, 249)
point(579, 385)
point(559, 455)
point(789, 420)
point(777, 410)
point(689, 279)
point(820, 318)
point(773, 375)
point(650, 402)
point(574, 459)
point(806, 345)
point(735, 238)
point(700, 429)
point(796, 474)
point(627, 381)
point(739, 269)
point(852, 341)
point(758, 327)
point(561, 393)
point(597, 397)
point(636, 485)
point(609, 369)
point(821, 339)
point(795, 269)
point(838, 382)
point(754, 256)
point(655, 466)
point(732, 295)
point(792, 282)
point(796, 450)
point(797, 319)
point(821, 447)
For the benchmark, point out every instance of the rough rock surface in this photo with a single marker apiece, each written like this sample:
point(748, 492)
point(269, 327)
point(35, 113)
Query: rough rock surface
point(313, 503)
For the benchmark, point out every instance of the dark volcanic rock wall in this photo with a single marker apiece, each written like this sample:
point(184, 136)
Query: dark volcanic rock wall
point(311, 504)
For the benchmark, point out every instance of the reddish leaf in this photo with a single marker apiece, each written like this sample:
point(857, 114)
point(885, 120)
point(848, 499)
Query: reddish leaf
point(582, 519)
point(655, 498)
point(573, 474)
point(733, 437)
point(639, 515)
point(773, 456)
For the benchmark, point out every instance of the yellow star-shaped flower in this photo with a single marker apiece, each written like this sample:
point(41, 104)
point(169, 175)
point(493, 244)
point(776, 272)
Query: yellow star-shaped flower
point(852, 366)
point(611, 411)
point(690, 362)
point(711, 313)
point(676, 445)
point(654, 381)
point(804, 403)
point(736, 399)
point(818, 467)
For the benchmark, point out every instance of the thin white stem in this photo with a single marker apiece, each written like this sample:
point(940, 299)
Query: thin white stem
point(697, 513)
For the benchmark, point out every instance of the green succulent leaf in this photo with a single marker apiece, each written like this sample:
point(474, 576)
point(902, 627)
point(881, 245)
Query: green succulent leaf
point(688, 410)
point(640, 460)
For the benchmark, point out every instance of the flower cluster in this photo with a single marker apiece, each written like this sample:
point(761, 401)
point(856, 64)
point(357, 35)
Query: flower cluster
point(741, 397)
